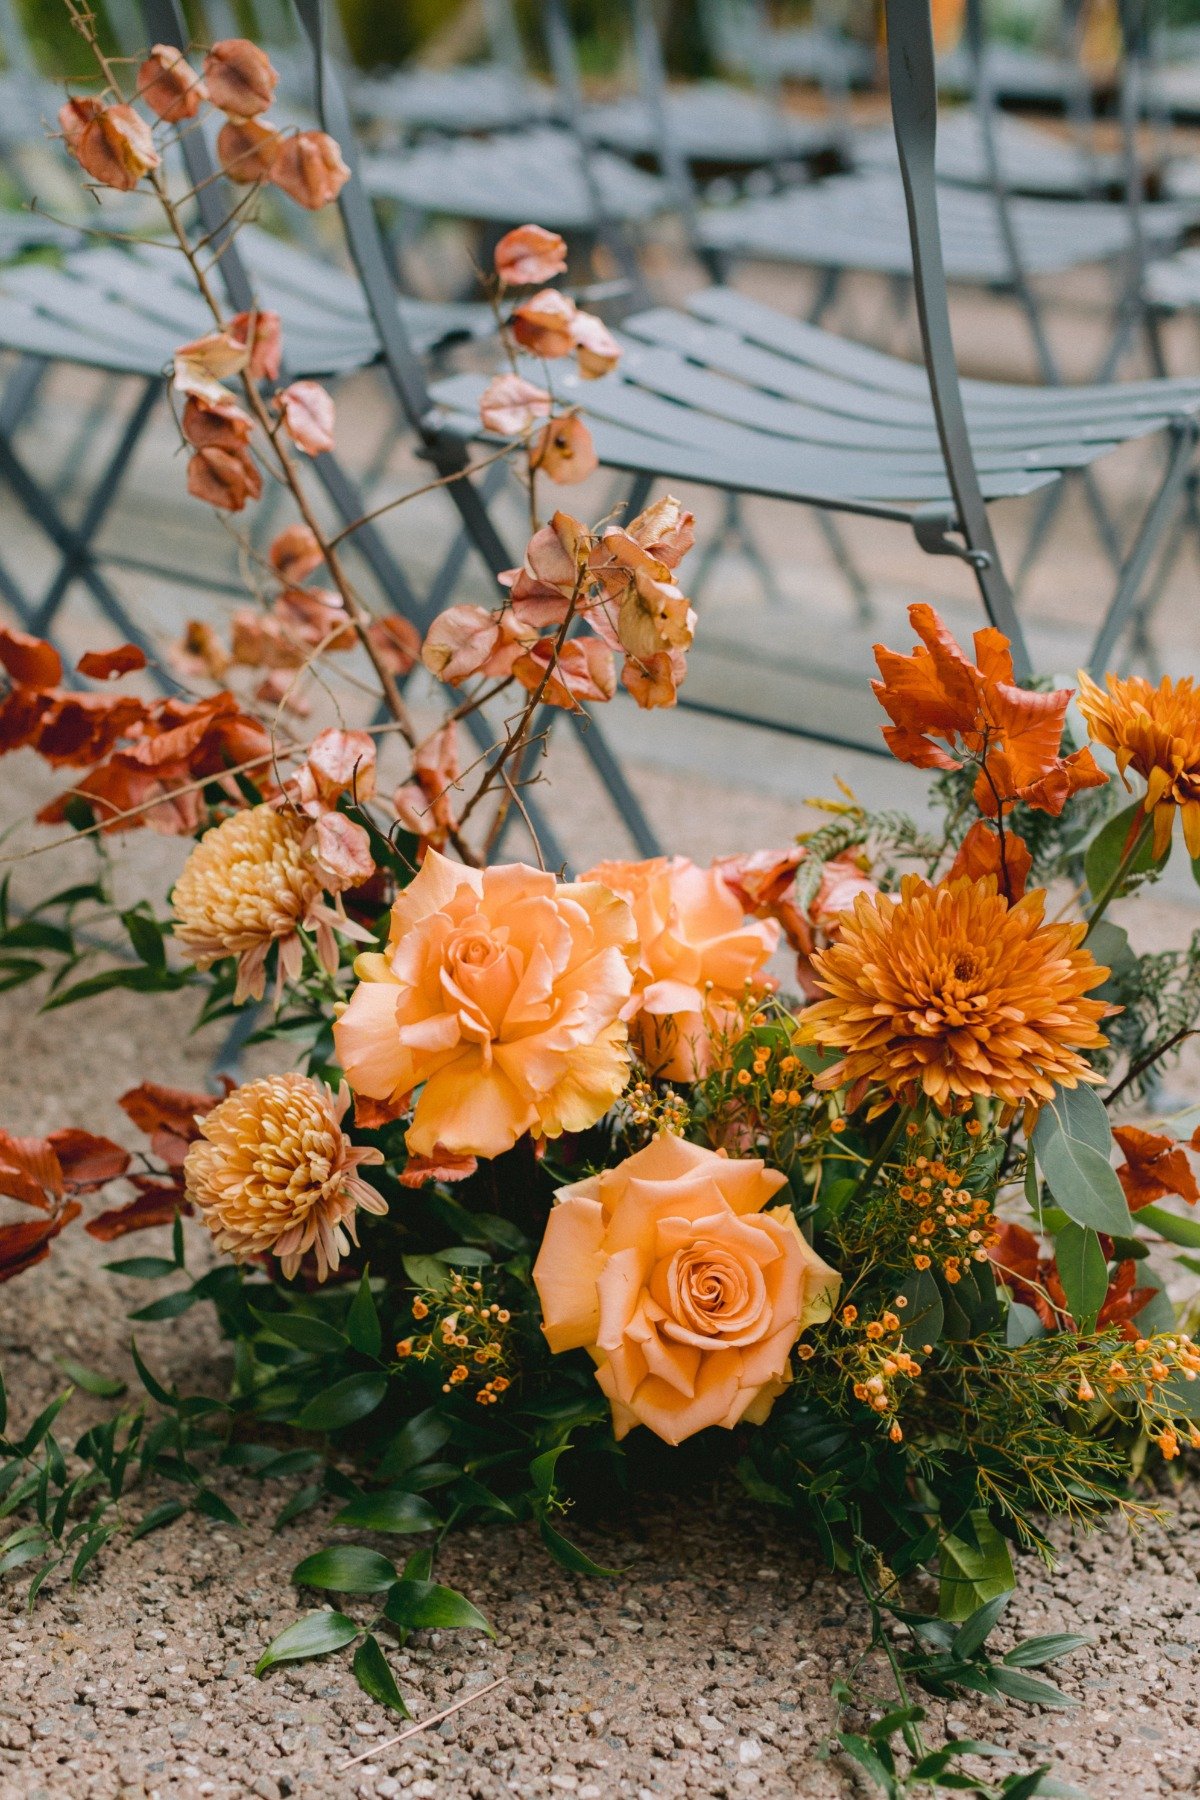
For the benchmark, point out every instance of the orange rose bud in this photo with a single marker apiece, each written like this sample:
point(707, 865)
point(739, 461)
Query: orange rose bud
point(697, 954)
point(169, 85)
point(689, 1310)
point(248, 149)
point(240, 78)
point(310, 169)
point(530, 254)
point(111, 143)
point(225, 479)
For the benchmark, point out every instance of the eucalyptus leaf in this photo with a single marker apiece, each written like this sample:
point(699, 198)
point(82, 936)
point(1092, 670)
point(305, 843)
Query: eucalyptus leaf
point(924, 1316)
point(1103, 855)
point(1172, 1226)
point(1022, 1325)
point(1072, 1142)
point(1083, 1272)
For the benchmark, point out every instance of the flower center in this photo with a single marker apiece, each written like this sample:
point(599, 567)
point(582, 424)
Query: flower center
point(712, 1292)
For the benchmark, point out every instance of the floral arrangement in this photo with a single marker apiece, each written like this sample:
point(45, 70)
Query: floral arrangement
point(797, 1168)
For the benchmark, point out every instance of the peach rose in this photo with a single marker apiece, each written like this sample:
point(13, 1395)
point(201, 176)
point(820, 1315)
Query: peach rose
point(500, 997)
point(697, 955)
point(685, 1291)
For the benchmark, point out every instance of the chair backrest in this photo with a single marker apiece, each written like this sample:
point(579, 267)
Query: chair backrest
point(504, 37)
point(364, 239)
point(913, 82)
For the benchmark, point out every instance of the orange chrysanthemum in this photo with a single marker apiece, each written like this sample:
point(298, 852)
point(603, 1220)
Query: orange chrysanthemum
point(1155, 730)
point(951, 992)
point(273, 1171)
point(253, 881)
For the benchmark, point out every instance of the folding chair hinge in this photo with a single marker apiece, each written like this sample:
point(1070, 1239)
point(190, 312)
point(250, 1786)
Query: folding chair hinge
point(933, 526)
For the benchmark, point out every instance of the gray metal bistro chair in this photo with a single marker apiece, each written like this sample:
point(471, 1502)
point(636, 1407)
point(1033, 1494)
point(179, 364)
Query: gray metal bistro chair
point(493, 94)
point(734, 395)
point(855, 223)
point(825, 51)
point(732, 125)
point(123, 311)
point(1047, 73)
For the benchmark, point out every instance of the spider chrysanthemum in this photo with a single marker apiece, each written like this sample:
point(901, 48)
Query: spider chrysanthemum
point(248, 884)
point(951, 992)
point(1155, 730)
point(273, 1171)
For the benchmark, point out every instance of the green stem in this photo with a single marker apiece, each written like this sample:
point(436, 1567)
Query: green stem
point(910, 1731)
point(903, 1114)
point(1113, 885)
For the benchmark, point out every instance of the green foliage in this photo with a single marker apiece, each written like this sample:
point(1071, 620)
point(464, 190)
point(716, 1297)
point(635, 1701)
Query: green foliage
point(1072, 1142)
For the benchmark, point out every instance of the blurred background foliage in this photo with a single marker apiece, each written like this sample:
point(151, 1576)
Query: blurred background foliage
point(387, 32)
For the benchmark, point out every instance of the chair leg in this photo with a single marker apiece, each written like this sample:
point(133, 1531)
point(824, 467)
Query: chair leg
point(860, 593)
point(1184, 432)
point(450, 572)
point(94, 418)
point(733, 534)
point(74, 544)
point(21, 391)
point(1187, 524)
point(102, 497)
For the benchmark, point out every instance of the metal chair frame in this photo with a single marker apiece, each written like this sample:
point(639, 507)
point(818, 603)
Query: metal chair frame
point(132, 307)
point(746, 401)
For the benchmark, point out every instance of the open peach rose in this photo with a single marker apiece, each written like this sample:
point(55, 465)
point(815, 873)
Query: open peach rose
point(698, 953)
point(688, 1294)
point(499, 996)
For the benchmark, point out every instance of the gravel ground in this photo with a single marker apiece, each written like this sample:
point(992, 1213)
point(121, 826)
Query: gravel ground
point(703, 1670)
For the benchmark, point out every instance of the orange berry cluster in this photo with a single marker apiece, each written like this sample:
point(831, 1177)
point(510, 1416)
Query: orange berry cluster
point(880, 1361)
point(467, 1333)
point(655, 1111)
point(955, 1227)
point(1139, 1371)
